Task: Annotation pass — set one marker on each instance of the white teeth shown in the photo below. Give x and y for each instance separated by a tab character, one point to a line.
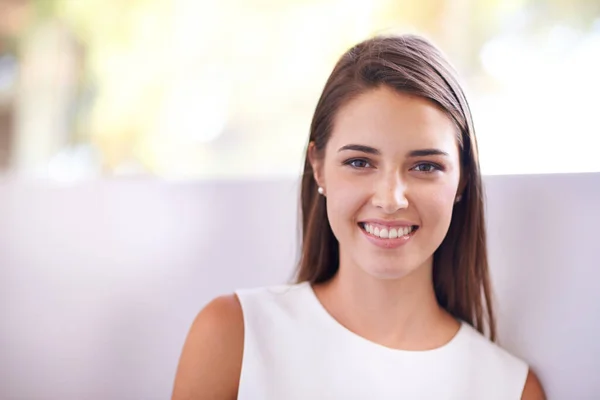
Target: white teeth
385	233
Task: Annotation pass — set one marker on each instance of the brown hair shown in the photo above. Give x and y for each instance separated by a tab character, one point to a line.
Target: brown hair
408	64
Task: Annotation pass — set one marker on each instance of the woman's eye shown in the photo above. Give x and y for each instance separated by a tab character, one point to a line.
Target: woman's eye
358	163
426	167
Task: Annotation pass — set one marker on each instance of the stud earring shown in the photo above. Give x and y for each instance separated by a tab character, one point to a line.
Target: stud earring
321	191
458	198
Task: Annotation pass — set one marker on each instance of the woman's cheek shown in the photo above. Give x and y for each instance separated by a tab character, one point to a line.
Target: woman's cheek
438	202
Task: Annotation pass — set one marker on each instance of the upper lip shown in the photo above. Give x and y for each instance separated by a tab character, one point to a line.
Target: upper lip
390	223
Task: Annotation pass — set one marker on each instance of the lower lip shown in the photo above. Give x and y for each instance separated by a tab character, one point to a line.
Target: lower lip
387	243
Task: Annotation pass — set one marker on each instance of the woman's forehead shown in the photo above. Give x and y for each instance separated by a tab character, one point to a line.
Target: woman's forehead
389	120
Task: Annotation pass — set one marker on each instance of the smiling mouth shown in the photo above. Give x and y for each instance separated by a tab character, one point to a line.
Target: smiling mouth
388	232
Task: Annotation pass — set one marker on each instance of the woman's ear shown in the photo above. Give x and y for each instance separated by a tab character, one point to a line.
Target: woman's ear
316	162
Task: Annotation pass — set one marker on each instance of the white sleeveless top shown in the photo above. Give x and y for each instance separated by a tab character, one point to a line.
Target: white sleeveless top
294	349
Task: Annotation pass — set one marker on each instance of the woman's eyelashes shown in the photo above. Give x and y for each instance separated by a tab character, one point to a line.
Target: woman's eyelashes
428	167
425	167
358	163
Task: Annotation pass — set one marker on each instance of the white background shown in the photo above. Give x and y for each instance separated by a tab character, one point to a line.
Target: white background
99	282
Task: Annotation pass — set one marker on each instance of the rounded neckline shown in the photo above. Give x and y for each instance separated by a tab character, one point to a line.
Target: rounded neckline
335	324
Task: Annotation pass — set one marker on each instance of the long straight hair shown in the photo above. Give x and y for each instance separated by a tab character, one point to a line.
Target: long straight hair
407	64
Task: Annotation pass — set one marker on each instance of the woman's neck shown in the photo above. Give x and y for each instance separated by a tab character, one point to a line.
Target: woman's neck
401	313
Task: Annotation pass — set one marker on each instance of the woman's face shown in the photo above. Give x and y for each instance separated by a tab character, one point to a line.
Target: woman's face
390	173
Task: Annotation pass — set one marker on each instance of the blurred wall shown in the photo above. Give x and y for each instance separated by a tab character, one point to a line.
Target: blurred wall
100	281
226	89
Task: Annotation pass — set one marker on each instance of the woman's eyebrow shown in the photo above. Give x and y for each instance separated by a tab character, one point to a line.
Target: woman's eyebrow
360	147
427	152
372	150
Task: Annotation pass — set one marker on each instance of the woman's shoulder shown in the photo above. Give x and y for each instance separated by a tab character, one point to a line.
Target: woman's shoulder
211	360
490	351
498	362
222	312
510	365
212	356
533	389
221	319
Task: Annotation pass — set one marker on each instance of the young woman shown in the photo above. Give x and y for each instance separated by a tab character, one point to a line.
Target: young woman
393	297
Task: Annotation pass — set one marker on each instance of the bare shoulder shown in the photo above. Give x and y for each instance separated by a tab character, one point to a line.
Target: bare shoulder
211	360
533	388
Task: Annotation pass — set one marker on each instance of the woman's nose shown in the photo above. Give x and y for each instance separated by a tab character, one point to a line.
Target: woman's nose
390	194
